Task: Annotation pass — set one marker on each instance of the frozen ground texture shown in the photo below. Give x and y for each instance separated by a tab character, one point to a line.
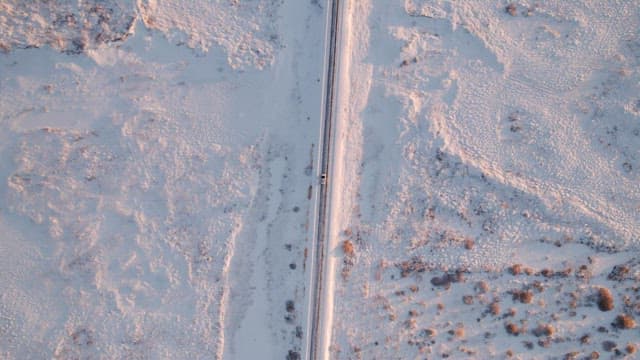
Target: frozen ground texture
156	166
483	135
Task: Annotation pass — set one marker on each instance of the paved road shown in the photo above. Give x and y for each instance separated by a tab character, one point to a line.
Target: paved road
319	246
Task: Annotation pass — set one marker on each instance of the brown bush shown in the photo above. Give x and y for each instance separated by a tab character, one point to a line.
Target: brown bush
511	9
625	321
630	348
513	329
494	308
515	269
347	248
524	296
481	287
467	299
605	299
468	244
544	330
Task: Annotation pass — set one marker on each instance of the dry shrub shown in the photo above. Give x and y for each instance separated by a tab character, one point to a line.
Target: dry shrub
347	248
625	321
511	9
467	299
494	308
618	273
513	329
571	356
468	244
290	306
630	348
605	299
544	330
583	273
415	265
524	296
585	339
410	324
515	269
481	287
608	345
544	342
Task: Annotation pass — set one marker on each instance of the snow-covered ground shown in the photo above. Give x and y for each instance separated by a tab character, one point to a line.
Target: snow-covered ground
156	169
490	172
157	165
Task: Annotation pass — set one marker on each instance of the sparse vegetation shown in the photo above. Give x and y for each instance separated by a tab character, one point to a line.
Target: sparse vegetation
511	9
618	273
412	266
